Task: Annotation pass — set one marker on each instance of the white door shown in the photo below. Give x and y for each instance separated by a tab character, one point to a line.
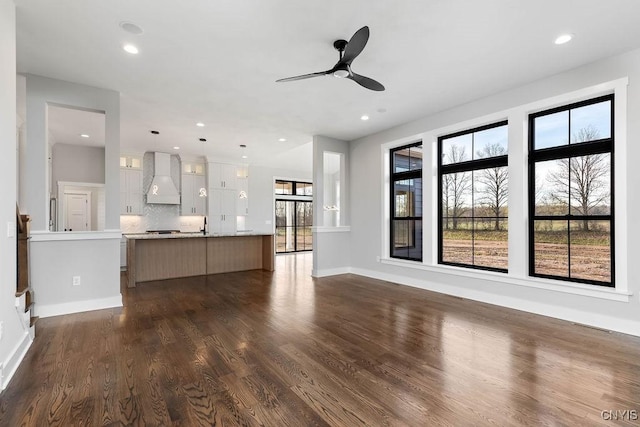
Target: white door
77	212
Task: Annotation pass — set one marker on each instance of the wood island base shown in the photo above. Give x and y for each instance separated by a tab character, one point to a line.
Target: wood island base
169	258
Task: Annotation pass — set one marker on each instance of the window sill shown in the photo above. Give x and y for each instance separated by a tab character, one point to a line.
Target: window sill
328	229
529	282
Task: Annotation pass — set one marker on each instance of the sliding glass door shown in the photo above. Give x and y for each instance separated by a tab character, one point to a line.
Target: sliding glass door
294	219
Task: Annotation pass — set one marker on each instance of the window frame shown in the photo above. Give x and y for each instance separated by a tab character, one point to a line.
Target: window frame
295	227
293	188
401	176
466	166
568	151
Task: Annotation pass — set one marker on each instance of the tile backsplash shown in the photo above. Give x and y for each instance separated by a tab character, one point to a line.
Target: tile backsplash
160	217
155	216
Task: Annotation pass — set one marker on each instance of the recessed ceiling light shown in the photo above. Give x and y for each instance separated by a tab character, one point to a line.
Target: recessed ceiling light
84	135
200	124
244	156
364	117
129	48
131	28
282	139
176	148
563	38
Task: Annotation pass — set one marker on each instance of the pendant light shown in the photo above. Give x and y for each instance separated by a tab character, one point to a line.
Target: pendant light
202	192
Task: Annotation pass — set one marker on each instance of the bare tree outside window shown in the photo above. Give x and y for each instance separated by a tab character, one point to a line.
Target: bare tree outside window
582	181
456	187
494	191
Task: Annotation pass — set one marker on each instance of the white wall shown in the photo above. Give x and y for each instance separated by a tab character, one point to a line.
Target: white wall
331	242
15	339
603	308
57	257
76	163
40	92
261	195
53	267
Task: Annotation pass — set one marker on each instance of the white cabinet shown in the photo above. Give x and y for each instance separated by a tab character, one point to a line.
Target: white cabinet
222	175
130	162
222	210
242	201
194	194
192	168
130	191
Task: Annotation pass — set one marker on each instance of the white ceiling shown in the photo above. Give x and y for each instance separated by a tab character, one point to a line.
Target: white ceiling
217	62
67	124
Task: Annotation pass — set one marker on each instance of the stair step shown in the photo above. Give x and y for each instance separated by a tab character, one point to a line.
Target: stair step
21	292
33	321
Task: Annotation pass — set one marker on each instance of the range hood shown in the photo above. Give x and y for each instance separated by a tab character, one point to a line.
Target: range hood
162	189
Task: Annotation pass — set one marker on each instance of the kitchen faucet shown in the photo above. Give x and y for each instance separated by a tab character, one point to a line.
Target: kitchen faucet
204	226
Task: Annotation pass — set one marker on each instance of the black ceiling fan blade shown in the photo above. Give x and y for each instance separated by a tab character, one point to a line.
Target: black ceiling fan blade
304	76
366	82
355	45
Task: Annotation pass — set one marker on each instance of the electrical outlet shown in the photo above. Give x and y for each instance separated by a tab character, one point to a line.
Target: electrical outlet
76	281
11	229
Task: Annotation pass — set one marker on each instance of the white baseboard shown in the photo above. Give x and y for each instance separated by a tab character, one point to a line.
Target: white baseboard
330	271
14	359
601	321
77	306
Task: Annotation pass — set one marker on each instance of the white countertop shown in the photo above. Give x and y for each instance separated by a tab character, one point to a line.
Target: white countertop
147	236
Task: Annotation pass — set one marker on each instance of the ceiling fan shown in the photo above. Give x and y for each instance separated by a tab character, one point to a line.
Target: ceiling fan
348	51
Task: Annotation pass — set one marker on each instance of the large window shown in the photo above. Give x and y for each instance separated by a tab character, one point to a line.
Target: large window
294	216
294	219
571	192
473	182
406	202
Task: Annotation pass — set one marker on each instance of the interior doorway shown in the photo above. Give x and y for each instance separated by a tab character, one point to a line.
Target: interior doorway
77	211
294	219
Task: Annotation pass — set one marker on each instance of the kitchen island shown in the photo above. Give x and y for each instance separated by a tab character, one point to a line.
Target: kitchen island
169	256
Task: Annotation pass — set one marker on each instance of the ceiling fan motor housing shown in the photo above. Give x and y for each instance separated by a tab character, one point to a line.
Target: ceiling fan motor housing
340	45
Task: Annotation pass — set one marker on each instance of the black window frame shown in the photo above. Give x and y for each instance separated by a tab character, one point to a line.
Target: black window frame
401	176
466	166
599	146
293	188
295	227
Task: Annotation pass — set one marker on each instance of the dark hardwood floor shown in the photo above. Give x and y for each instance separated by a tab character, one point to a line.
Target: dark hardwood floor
283	349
